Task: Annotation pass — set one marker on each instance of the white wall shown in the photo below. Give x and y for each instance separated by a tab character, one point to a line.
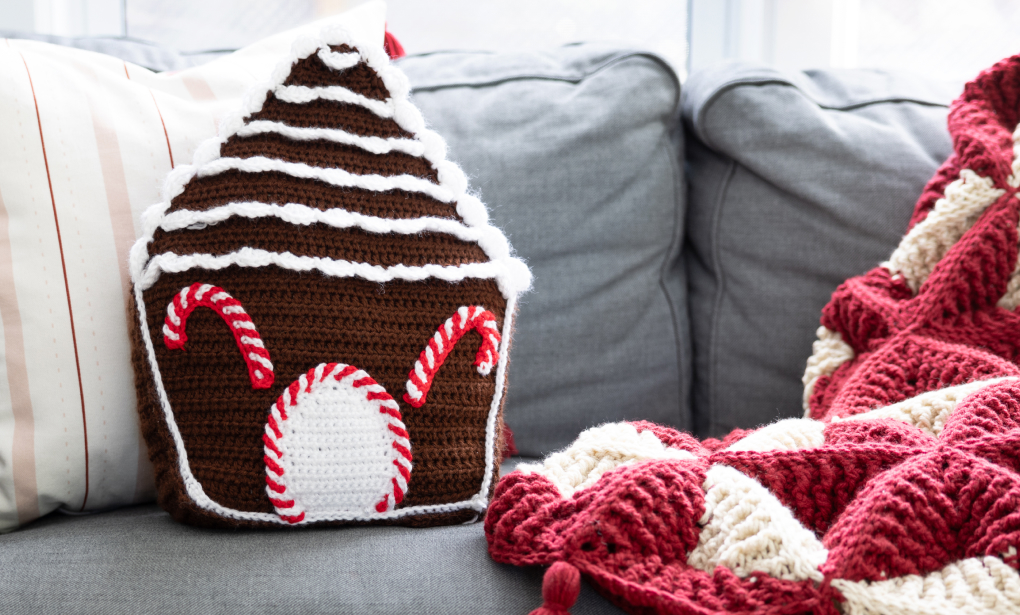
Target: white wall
953	39
788	34
505	25
64	17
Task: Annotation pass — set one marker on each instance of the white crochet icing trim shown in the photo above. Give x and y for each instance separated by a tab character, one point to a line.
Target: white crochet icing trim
502	271
479	502
375	145
339	61
511	274
828	352
973	586
452	181
492	242
746	529
404	113
335	177
301	94
927	411
599	450
929	240
784	435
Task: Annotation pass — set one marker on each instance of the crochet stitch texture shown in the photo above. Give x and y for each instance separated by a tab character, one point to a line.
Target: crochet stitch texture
323	311
899	492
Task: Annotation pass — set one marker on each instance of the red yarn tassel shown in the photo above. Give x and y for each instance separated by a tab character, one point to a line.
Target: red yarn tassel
393	47
509	446
560	589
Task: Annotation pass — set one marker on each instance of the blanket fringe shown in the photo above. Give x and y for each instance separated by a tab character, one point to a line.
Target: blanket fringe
560	589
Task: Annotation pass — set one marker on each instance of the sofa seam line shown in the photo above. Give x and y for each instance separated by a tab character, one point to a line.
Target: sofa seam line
714	96
574	79
719	292
676	249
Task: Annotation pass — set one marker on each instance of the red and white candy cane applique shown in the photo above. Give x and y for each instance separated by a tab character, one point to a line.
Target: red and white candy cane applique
335	447
419	381
256	357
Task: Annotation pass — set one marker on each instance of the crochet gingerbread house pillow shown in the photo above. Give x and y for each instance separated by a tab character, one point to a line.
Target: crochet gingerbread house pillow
323	311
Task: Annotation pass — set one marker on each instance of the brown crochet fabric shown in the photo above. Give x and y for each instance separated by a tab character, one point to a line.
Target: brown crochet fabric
243	304
326	154
271	187
330	114
360	78
320	240
308	318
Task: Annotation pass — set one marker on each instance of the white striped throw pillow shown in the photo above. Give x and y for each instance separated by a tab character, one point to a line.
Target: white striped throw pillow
86	141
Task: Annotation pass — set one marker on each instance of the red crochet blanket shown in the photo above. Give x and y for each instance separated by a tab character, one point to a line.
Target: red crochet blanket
898	492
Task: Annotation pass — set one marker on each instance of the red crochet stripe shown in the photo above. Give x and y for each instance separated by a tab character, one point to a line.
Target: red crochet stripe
952	331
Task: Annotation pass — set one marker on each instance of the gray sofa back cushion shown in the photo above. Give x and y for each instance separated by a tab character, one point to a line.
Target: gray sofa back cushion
575	153
797	182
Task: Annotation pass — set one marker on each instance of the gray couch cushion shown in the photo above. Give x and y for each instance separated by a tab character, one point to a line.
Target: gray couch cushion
572	152
137	560
797	182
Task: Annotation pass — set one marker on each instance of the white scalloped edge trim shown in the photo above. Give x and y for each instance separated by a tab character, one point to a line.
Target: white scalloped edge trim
488	238
828	352
374	145
332	176
301	94
973	586
168	262
339	61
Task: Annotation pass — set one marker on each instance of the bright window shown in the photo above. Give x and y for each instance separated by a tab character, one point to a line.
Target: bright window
952	39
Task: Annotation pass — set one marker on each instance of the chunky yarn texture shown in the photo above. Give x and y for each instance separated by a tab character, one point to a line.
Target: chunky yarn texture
897	493
323	310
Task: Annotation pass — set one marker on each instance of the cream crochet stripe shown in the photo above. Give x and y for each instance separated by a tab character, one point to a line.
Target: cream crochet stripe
927	411
925	245
599	450
786	435
747	529
928	241
973	586
829	351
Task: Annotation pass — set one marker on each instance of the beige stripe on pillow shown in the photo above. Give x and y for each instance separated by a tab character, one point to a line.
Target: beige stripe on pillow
17	487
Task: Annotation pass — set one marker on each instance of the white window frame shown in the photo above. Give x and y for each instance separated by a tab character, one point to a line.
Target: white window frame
788	34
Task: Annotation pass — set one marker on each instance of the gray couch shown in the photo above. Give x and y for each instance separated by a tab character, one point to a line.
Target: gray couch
682	249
